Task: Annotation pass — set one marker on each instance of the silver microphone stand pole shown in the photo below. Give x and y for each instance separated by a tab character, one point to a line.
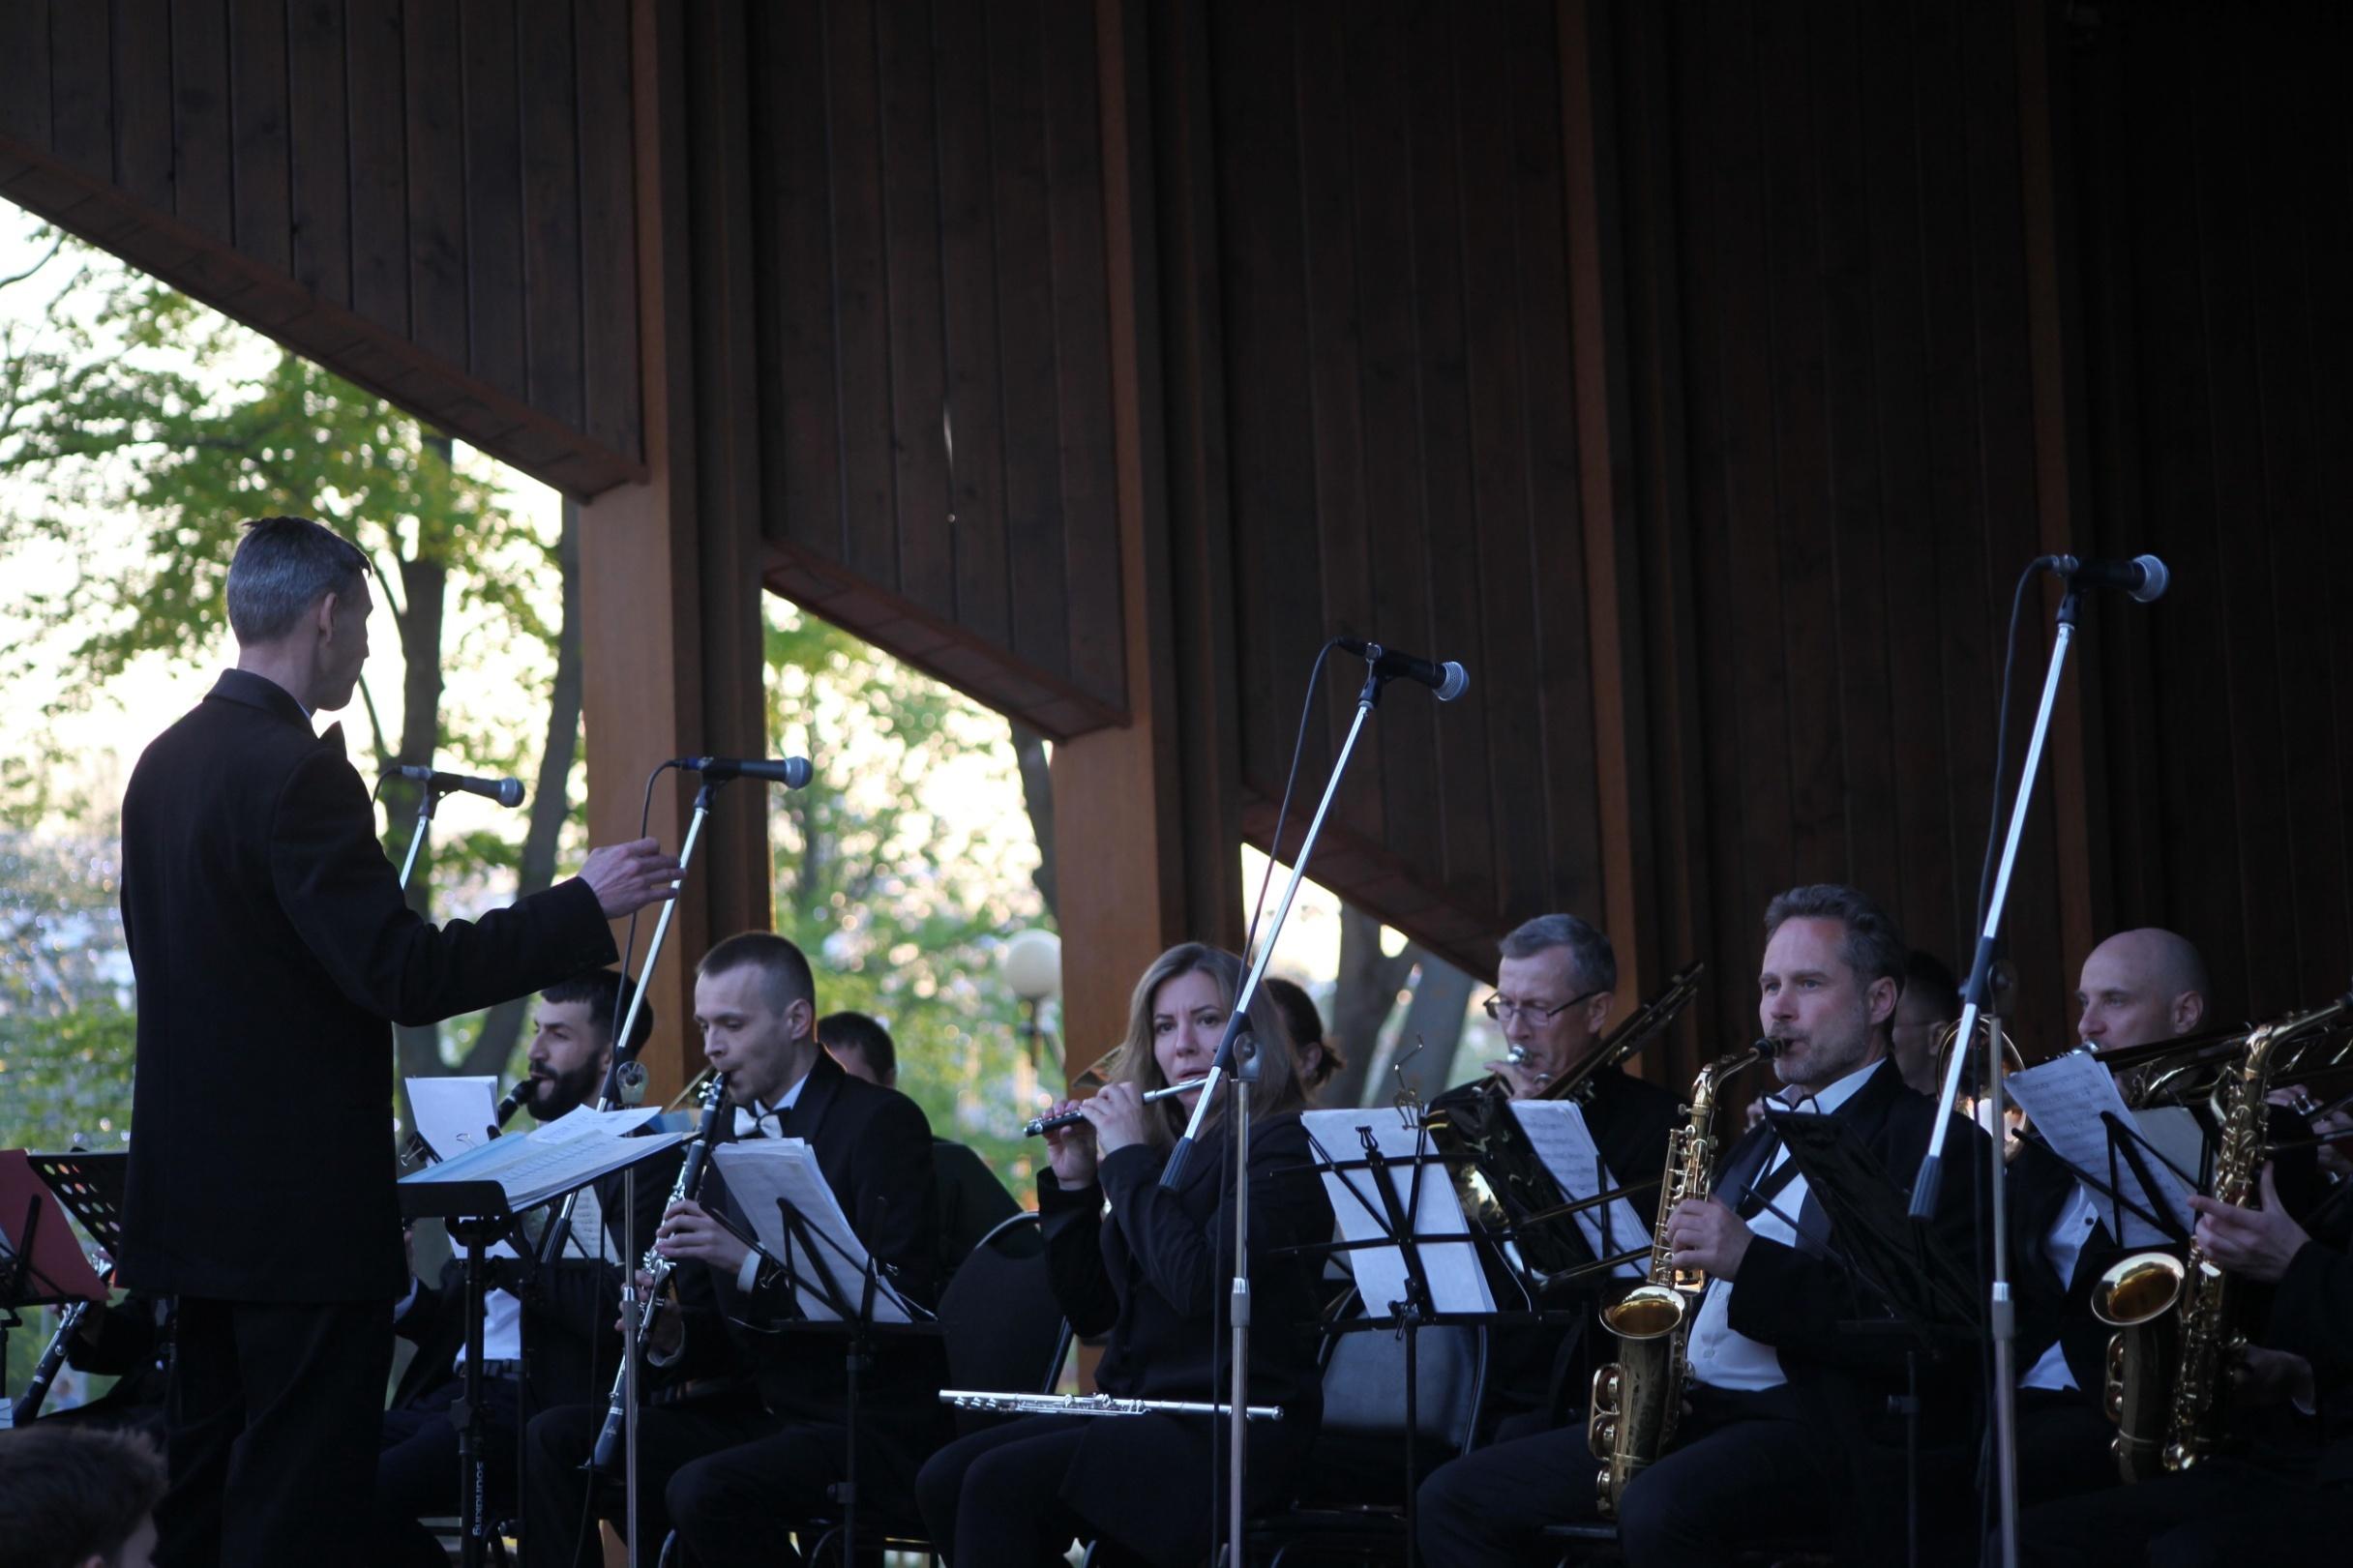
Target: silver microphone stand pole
1223	1067
2001	1314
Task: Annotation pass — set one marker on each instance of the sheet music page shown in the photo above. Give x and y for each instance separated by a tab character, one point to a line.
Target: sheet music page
1457	1282
549	1163
452	1114
1558	1132
765	1169
2068	1099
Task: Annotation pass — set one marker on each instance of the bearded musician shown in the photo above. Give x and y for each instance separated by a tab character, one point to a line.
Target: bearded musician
1789	1404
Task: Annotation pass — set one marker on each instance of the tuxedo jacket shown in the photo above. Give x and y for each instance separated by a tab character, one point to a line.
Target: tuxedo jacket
874	1148
1142	1264
1807	1299
273	953
2311	1316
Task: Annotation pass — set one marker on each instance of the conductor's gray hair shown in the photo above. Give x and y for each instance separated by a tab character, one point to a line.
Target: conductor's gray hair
284	566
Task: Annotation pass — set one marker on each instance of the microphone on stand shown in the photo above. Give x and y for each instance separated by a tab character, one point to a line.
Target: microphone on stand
505	791
2144	577
1448	680
793	772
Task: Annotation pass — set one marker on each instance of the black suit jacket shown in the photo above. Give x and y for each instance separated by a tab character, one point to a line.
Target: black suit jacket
272	952
1805	1301
2311	1316
874	1147
1144	1265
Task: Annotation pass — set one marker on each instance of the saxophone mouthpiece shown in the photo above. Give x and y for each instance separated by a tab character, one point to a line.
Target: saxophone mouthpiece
1769	1048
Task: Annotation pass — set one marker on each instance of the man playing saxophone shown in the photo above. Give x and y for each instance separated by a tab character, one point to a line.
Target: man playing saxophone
742	1433
1788	1403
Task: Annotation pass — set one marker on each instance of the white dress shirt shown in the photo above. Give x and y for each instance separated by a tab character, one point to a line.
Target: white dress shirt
756	1121
2076	1221
1720	1356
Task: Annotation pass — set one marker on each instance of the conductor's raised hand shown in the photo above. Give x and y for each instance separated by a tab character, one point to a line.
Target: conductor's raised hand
629	877
1071	1150
688	1232
1116	1112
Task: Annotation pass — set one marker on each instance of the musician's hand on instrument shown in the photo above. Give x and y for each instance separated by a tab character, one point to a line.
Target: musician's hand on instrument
629	877
1116	1113
688	1232
408	1248
2254	1243
2263	1377
1525	1079
1704	1234
1071	1150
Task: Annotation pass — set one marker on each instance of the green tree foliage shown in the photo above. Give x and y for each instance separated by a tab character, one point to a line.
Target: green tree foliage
138	416
901	898
66	1026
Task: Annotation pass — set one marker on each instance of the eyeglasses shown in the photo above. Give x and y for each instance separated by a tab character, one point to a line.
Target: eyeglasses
1503	1012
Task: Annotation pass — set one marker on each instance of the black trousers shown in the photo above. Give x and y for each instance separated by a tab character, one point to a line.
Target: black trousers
419	1472
994	1497
2223	1512
1744	1471
734	1483
2063	1447
272	1427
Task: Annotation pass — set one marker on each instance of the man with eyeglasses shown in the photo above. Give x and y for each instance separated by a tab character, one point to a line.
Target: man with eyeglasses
1554	988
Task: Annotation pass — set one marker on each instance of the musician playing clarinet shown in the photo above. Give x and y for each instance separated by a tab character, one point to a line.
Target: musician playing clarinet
742	1428
1152	1275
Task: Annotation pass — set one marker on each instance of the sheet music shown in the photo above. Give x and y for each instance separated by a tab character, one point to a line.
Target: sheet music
1457	1282
1557	1130
765	1169
2068	1100
454	1114
550	1161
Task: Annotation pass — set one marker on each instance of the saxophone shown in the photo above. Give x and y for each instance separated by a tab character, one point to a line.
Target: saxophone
2210	1342
1637	1398
604	1457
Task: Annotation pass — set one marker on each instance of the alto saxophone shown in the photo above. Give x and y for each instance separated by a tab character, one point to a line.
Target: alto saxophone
1637	1398
604	1457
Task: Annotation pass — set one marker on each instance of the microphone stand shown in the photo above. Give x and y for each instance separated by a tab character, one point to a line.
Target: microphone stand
552	1244
428	799
2001	1316
1225	1066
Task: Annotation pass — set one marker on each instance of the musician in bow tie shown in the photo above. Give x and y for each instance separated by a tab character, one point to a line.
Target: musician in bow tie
743	1430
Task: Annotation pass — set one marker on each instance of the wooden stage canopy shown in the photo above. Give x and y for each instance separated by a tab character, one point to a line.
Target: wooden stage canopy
1700	374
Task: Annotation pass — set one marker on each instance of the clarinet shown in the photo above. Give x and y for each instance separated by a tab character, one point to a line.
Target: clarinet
602	1459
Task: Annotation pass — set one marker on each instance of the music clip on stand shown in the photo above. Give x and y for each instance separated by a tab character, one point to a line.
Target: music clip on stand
1222	1068
2000	1314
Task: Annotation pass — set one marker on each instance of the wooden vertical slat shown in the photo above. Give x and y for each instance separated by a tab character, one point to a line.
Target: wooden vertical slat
491	159
260	152
24	74
869	478
548	109
801	335
973	388
318	117
376	74
141	73
906	66
434	120
81	99
203	184
608	258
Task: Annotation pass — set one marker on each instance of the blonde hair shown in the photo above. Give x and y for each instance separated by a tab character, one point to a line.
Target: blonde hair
1278	1083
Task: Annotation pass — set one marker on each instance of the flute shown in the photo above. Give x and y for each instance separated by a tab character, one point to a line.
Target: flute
1071	1118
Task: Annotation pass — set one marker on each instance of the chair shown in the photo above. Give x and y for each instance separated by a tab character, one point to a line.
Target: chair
1004	1332
1349	1505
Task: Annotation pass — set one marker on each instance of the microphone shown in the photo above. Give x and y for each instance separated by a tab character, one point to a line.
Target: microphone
505	791
1447	680
2144	577
793	772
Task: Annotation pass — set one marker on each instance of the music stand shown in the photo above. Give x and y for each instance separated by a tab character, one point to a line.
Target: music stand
849	1292
1929	1293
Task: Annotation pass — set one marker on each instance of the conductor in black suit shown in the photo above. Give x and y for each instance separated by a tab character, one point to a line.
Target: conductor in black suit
743	1432
273	953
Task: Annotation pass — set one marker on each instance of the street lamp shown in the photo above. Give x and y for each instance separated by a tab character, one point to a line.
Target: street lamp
1033	961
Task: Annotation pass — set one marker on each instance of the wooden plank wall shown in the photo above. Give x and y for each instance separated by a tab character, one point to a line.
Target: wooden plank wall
930	253
1703	376
434	199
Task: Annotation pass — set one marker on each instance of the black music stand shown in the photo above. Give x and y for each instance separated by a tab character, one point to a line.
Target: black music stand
847	1290
41	1263
1930	1295
1417	1309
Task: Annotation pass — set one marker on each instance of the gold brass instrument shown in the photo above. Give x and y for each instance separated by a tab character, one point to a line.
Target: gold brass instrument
1637	1398
2136	1297
1941	1040
1502	1184
2196	1069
